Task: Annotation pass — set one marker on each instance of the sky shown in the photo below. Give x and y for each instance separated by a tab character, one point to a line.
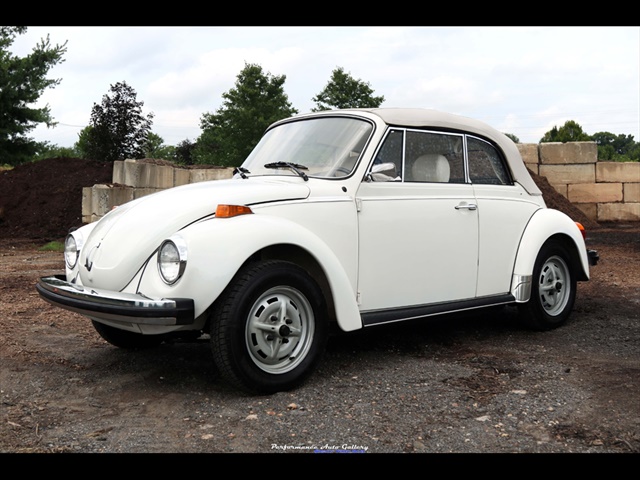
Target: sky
520	80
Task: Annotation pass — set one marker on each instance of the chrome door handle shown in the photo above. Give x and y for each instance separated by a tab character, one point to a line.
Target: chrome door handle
469	206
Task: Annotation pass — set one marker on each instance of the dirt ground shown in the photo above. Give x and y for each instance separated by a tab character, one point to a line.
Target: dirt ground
475	383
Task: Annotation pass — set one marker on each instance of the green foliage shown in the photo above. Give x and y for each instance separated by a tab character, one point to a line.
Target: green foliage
229	135
611	147
184	152
513	137
569	132
155	148
616	148
22	82
52	247
48	150
118	130
344	91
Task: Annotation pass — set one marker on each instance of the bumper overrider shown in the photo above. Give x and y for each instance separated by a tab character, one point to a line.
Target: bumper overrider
128	307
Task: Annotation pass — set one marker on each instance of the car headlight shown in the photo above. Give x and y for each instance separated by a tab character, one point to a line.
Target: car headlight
172	259
72	245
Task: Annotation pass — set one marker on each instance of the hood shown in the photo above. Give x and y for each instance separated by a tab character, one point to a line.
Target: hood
123	240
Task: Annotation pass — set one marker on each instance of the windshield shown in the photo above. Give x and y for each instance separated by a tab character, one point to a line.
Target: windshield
326	147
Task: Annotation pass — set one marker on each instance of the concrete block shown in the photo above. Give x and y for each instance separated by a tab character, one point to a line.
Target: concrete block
567	174
86	201
105	197
631	192
155	176
118	172
181	176
529	153
625	172
561	188
206	174
568	153
618	212
132	173
143	192
595	192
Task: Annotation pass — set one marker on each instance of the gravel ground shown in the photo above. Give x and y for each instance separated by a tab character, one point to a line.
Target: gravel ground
477	383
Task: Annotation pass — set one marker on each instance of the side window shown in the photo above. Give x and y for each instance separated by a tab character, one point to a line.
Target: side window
433	157
387	166
485	164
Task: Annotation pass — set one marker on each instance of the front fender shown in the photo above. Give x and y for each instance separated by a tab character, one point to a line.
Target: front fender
544	224
218	247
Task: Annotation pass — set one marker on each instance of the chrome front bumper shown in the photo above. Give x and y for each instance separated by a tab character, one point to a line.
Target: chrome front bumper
118	306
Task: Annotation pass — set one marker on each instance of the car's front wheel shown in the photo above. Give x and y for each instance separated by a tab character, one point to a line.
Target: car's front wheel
269	328
553	290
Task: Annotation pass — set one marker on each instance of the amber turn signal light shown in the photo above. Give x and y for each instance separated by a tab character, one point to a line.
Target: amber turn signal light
228	211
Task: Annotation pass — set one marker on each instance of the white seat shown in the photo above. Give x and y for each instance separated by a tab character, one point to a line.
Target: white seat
431	168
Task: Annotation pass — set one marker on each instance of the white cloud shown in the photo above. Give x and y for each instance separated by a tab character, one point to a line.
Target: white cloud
522	80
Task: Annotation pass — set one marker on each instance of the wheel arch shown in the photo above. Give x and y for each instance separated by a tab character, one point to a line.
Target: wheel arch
545	225
228	249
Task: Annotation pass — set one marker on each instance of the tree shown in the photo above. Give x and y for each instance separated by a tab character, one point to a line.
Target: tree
22	82
571	131
343	91
229	135
184	152
155	148
118	130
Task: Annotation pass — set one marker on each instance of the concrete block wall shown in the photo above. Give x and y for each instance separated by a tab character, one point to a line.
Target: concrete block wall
604	191
136	178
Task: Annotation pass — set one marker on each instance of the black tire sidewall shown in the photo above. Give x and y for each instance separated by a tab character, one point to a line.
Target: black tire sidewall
230	320
533	313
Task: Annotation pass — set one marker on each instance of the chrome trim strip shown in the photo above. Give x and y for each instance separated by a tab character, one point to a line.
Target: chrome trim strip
522	287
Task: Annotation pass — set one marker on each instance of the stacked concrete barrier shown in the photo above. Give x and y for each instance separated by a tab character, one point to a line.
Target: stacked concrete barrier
604	191
136	178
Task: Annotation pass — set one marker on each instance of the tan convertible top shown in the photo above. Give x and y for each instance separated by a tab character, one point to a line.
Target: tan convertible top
427	118
424	118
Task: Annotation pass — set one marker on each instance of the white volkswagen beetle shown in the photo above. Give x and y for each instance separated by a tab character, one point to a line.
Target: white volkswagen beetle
353	217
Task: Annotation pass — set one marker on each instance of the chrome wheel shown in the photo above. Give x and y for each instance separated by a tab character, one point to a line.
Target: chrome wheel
269	327
280	329
554	287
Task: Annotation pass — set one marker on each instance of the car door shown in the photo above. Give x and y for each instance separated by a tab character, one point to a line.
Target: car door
417	223
504	211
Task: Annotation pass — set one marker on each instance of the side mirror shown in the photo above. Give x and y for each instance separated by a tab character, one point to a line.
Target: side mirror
383	172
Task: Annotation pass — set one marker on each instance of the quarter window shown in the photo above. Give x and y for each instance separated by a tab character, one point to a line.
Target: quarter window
485	163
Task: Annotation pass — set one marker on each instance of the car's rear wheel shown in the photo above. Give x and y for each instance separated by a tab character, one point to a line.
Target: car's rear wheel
553	290
126	339
269	328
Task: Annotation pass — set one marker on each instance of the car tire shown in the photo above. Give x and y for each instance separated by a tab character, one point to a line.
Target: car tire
553	289
269	328
125	339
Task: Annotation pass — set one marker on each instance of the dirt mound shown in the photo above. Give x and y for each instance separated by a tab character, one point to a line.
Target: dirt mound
555	200
42	200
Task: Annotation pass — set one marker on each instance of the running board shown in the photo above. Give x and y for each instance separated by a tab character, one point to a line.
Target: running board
379	317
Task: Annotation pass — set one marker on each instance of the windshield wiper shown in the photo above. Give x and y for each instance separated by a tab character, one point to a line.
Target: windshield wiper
241	171
293	166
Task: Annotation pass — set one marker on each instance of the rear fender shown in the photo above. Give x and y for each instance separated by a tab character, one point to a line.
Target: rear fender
543	225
